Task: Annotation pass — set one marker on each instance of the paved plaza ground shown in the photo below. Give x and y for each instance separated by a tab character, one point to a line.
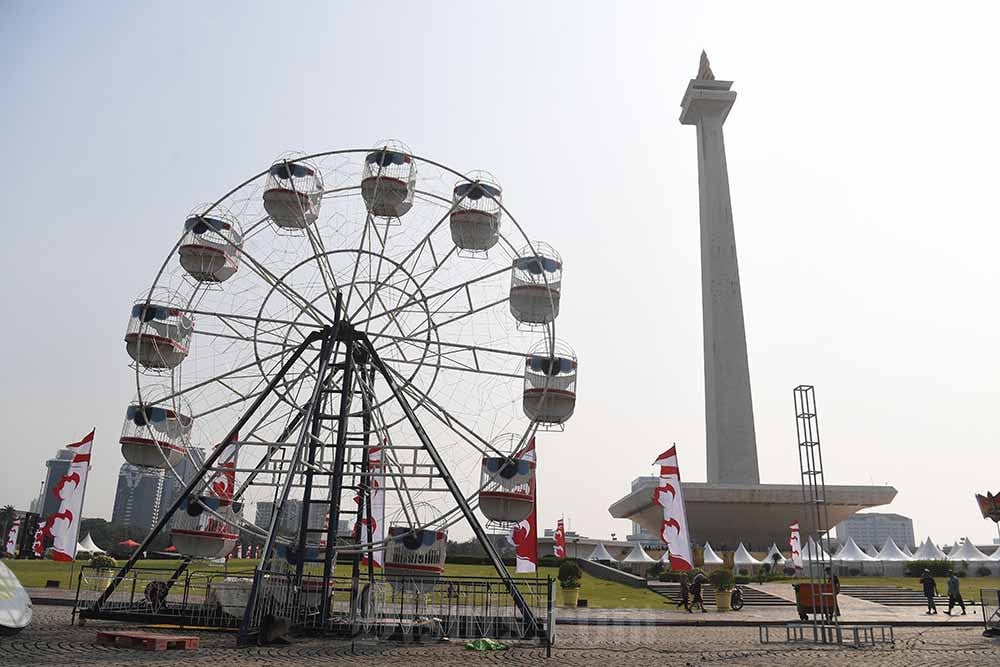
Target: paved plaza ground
52	641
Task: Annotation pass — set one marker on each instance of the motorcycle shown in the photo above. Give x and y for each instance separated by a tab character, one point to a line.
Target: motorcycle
736	601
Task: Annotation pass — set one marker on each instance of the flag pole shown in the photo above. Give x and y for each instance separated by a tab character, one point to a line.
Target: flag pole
83	499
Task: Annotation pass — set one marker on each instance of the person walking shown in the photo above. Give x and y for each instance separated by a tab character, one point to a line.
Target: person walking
954	593
685	593
696	585
930	590
835	580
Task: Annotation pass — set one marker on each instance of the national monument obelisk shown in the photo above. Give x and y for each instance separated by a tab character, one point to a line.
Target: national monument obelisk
730	438
732	506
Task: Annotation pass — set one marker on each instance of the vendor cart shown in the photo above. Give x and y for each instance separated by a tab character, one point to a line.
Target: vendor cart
816	599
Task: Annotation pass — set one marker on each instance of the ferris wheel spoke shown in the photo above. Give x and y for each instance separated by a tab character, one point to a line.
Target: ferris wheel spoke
399	306
418	248
323	263
450	292
457	426
459	317
286	290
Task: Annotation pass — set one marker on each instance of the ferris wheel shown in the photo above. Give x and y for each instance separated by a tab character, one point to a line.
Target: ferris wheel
341	323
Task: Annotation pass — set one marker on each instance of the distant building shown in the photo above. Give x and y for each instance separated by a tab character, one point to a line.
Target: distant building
138	498
56	467
874	528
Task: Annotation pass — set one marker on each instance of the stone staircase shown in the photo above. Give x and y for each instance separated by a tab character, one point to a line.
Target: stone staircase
751	596
894	596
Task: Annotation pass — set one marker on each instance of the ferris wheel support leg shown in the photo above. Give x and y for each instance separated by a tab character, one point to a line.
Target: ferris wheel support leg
246	627
337	480
527	615
206	467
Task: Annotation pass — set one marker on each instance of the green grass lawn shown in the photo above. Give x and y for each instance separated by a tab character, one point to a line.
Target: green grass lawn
970	585
598	593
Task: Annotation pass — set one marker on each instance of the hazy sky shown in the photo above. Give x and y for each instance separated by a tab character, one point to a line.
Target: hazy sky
861	151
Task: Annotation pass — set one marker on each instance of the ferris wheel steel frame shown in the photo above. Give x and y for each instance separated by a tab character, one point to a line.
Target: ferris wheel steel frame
361	361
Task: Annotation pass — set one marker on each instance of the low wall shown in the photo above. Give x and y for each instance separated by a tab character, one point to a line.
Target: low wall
595	569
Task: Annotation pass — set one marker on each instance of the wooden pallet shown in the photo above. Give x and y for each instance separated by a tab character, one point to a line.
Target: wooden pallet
147	641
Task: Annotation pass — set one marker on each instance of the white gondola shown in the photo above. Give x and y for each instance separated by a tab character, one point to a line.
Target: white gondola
475	213
204	527
293	192
507	489
158	334
550	383
536	284
199	533
414	557
389	180
155	435
211	246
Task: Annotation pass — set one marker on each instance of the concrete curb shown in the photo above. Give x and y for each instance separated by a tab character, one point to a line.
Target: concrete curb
53	602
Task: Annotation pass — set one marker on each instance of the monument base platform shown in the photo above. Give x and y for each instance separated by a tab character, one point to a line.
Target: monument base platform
756	514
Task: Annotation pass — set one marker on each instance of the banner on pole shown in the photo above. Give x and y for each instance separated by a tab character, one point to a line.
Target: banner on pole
989	505
64	525
10	546
374	523
559	540
670	496
795	544
524	536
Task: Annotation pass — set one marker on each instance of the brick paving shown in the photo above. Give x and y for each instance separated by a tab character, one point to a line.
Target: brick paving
52	641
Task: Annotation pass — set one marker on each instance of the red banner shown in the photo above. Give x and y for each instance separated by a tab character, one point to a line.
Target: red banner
559	541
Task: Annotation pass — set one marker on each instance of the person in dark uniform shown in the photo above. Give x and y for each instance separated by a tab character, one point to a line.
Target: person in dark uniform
930	590
696	584
685	592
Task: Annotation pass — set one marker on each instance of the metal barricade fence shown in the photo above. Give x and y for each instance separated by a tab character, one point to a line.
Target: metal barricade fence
384	608
989	598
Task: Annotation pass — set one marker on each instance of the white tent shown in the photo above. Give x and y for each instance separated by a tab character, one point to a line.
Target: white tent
852	553
638	555
871	551
967	552
743	557
769	558
996	554
929	551
711	558
599	553
815	553
87	544
906	550
891	552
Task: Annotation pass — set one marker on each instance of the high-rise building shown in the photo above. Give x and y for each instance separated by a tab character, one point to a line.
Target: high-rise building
138	498
874	528
291	516
55	468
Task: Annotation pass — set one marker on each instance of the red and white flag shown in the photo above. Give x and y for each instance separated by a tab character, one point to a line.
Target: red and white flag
223	484
10	546
670	496
795	543
524	536
375	523
559	540
37	545
64	525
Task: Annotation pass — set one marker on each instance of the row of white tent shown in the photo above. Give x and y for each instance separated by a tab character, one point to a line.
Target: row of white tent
849	553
